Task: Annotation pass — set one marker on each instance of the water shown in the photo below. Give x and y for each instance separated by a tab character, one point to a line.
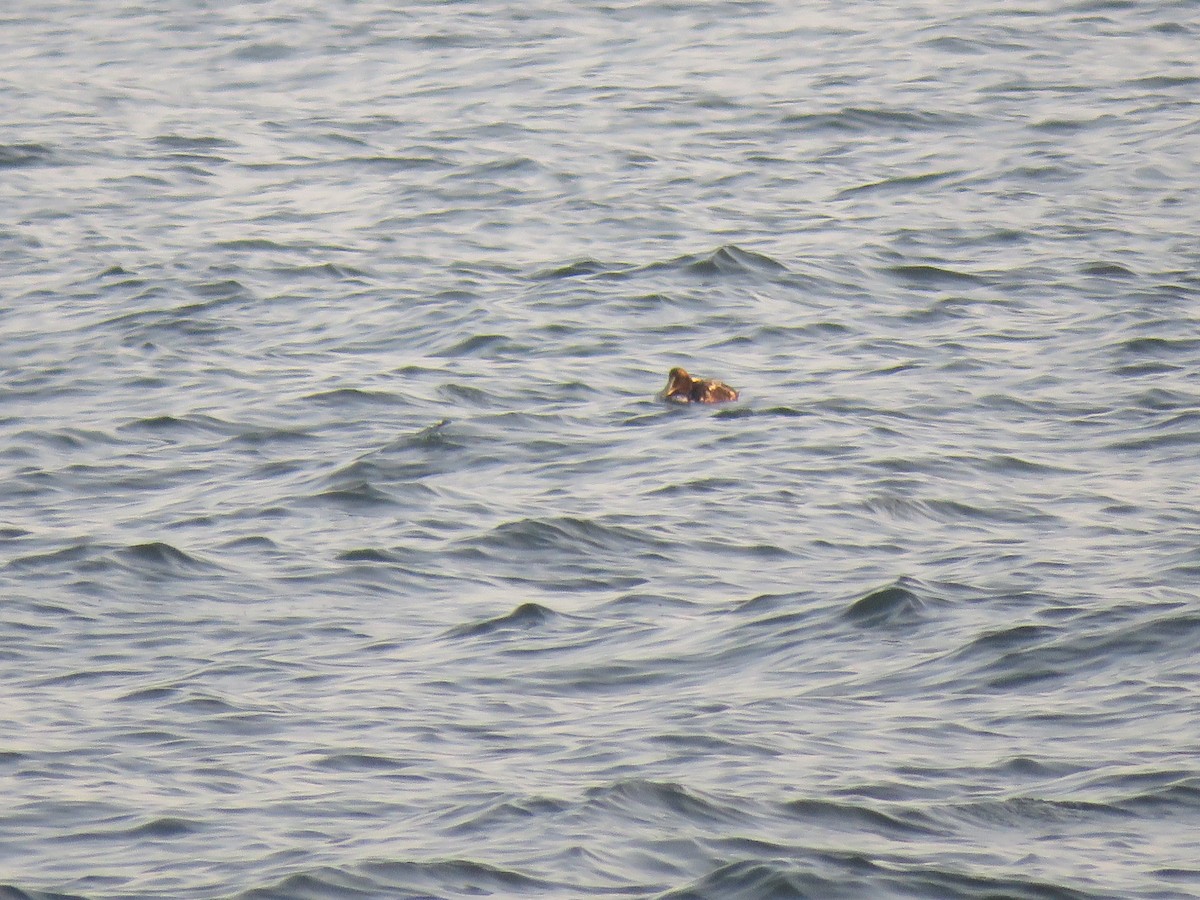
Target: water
346	552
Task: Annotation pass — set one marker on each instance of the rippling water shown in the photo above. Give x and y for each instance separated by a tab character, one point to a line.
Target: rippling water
345	550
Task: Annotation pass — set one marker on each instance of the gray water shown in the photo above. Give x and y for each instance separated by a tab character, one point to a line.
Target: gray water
345	550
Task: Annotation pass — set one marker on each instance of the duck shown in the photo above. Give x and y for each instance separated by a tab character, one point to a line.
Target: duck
685	388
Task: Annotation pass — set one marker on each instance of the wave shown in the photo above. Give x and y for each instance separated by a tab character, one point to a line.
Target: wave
344	397
372	763
893	605
581	268
727	260
900	184
904	824
754	879
9	891
877	119
850	875
193	143
153	560
1014	657
162	828
926	275
568	534
433	880
161	559
524	617
21	156
176	427
395	471
638	798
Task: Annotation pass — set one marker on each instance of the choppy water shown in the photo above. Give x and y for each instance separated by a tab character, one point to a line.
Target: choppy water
346	552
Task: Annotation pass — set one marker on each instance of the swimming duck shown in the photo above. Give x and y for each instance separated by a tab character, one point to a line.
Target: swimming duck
685	388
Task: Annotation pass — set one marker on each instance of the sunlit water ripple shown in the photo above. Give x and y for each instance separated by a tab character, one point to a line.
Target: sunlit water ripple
346	551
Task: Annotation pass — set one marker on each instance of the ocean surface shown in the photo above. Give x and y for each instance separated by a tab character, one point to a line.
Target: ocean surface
347	552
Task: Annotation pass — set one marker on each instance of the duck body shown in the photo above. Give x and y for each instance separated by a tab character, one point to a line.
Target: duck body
685	388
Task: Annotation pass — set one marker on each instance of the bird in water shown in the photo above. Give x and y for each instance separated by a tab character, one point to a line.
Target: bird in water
685	388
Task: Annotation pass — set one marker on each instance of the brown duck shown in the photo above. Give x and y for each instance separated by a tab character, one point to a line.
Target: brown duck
685	388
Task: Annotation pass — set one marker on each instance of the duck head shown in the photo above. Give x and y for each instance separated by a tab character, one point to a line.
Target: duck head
679	384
